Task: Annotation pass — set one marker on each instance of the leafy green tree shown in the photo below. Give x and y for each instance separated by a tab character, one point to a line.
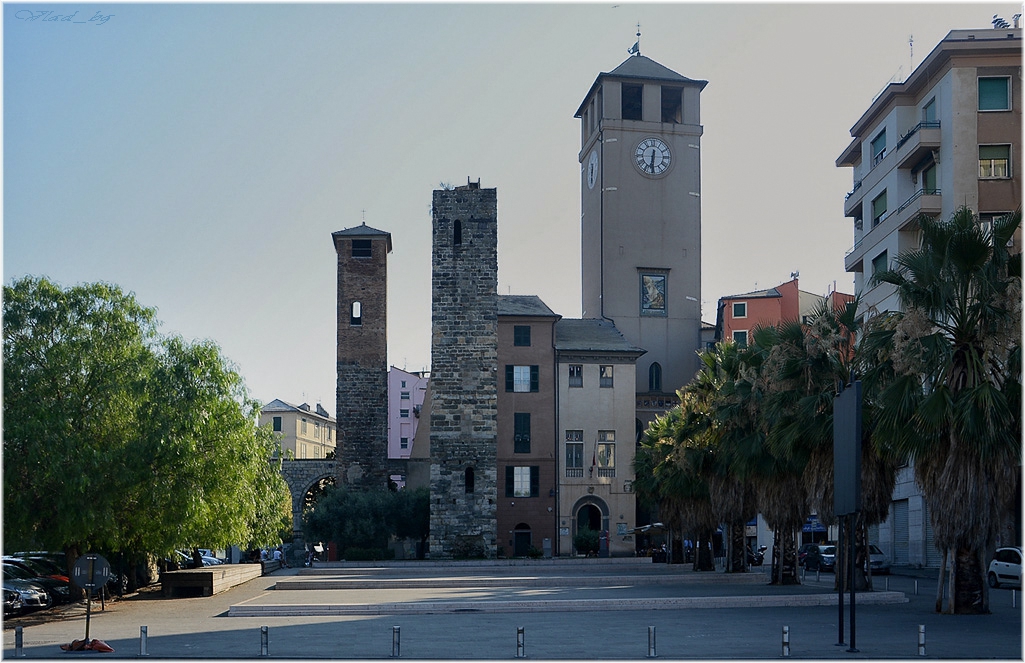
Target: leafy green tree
948	370
352	519
411	514
116	439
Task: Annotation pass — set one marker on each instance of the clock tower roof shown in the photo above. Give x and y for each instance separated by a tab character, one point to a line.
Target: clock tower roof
640	67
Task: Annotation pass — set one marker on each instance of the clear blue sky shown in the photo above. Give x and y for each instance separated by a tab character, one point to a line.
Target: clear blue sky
202	155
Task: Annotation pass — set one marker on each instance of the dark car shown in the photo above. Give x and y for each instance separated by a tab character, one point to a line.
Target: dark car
803	551
821	557
41	567
59	590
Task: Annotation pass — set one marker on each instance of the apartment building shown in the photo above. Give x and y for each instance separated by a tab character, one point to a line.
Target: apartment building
949	135
303	432
738	315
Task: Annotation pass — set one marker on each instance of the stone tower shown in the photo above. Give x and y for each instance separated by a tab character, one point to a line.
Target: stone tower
464	370
361	397
640	157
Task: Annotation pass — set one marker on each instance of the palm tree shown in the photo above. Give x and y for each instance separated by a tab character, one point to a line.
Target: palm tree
950	378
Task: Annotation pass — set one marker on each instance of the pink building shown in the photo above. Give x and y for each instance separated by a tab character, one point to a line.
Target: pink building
739	315
405	398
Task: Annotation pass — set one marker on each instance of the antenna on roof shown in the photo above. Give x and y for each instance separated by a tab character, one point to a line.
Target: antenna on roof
364	217
911	47
636	48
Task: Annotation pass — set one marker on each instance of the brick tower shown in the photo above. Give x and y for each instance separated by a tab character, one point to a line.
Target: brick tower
464	365
361	397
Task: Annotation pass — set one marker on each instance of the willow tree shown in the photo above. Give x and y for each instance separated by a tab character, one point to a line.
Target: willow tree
952	402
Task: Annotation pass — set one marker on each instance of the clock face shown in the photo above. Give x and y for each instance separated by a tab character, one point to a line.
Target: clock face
652	156
592	169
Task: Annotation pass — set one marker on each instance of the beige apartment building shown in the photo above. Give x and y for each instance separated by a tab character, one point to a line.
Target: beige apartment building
303	432
949	135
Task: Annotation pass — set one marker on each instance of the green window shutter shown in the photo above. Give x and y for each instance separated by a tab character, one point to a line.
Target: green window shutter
534	378
521	433
994	151
993	94
508	377
535	480
509	480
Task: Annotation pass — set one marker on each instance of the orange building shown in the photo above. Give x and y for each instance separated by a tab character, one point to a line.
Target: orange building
738	315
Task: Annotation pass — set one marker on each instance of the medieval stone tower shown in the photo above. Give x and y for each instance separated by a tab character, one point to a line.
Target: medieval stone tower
361	397
464	370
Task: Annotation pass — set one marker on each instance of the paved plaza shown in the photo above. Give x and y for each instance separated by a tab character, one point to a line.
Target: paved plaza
590	609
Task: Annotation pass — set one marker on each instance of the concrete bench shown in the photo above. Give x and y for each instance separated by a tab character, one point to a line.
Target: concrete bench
208	580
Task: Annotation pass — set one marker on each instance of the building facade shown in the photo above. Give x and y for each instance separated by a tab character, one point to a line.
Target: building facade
596	373
301	431
949	135
738	315
464	373
406	393
640	183
527	481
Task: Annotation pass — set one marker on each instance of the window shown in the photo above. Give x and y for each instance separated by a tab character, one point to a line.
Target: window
879	147
521	378
605	377
468	481
302	428
575	453
606	453
361	248
457	233
994	161
277	424
521	432
655	377
356	315
880	263
929	111
879	209
929	180
739	309
403	443
995	93
672	105
403	384
521	335
522	481
740	337
632	101
316	430
576	375
404	395
404	413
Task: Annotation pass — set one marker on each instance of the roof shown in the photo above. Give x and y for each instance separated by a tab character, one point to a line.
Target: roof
640	67
591	335
525	305
278	405
363	231
771	292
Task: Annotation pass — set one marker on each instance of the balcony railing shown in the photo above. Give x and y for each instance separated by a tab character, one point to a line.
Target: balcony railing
607	472
574	472
857	185
918	194
934	124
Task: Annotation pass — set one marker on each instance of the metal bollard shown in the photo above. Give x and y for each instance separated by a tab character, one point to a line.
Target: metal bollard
786	641
1014	598
887	583
519	643
264	641
651	642
143	635
921	639
395	641
19	642
916	588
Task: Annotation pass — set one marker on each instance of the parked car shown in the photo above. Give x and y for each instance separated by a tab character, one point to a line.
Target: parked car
821	557
1005	569
33	596
12	602
40	566
59	590
880	563
803	551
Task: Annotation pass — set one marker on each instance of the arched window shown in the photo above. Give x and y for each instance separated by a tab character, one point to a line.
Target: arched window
356	314
655	377
468	480
457	233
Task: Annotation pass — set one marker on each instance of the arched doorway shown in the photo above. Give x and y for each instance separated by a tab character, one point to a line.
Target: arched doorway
589	517
521	540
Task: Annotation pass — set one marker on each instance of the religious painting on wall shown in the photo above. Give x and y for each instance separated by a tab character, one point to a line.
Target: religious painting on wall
653	294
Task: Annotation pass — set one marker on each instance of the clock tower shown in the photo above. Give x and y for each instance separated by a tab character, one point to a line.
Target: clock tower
640	188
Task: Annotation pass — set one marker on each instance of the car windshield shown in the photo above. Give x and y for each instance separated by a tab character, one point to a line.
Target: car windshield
828	550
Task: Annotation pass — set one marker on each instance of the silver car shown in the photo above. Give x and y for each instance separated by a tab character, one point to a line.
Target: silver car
880	562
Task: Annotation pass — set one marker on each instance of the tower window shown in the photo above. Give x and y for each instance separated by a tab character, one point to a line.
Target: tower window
655	377
361	248
468	481
632	101
457	233
356	314
672	105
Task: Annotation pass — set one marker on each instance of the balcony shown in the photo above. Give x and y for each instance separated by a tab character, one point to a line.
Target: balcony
923	201
914	146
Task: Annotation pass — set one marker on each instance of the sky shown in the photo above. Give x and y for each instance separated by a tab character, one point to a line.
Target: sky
201	155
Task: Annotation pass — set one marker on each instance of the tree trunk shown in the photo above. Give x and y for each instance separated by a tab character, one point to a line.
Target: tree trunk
939	582
737	561
968	583
71	554
950	583
703	559
784	557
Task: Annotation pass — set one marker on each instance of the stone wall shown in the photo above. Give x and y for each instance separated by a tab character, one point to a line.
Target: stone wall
464	369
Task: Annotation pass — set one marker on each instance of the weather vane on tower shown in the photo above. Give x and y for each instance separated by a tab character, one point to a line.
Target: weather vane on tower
636	48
